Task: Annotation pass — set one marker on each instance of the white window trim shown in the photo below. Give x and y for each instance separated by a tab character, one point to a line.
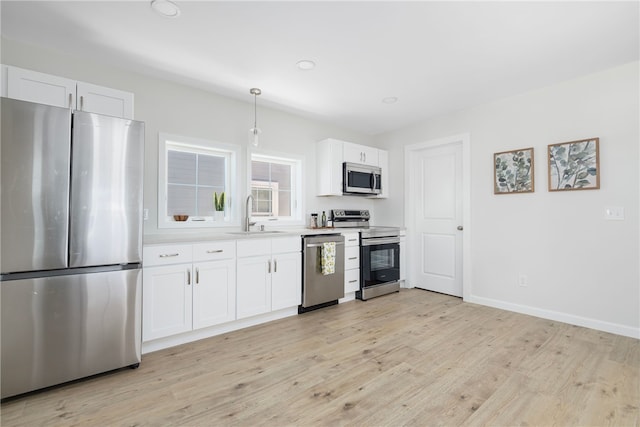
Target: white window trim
196	145
298	183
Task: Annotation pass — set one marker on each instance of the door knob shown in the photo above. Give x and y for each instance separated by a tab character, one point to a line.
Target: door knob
460	228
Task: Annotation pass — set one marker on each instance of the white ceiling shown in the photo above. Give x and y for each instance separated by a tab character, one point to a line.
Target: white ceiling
435	57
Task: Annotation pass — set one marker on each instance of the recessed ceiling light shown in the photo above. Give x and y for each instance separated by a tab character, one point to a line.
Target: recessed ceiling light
306	65
166	8
390	100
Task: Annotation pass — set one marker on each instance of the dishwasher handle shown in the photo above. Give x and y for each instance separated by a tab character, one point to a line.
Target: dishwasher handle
319	245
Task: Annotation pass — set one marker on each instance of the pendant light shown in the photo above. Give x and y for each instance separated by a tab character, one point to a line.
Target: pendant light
255	131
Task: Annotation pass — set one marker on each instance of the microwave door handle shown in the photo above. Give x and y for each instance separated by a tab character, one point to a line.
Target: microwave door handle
372	181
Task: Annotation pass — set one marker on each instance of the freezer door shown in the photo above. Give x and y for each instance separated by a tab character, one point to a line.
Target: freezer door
35	152
57	329
106	190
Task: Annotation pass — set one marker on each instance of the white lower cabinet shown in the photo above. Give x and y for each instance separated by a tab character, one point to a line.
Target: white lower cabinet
197	290
254	286
214	293
351	262
269	275
180	296
286	280
166	302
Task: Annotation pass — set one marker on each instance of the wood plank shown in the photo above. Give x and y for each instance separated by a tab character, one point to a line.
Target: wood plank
411	358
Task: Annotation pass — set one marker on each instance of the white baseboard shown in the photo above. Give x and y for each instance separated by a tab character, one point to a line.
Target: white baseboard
614	328
174	340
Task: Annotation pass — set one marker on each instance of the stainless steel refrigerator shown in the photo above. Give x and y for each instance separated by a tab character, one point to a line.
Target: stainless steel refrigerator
70	244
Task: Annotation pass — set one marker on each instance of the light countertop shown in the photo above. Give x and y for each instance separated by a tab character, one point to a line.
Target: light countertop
188	237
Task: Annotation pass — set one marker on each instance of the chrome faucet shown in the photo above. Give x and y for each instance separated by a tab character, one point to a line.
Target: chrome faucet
247	217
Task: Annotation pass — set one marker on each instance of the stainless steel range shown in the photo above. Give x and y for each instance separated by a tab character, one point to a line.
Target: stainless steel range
379	253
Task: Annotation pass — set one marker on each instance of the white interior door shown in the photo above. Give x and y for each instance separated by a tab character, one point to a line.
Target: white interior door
435	218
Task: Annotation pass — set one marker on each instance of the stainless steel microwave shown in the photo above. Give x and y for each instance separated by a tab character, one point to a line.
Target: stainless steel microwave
361	179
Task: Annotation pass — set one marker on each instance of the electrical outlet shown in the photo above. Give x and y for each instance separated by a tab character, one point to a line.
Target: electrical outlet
522	280
145	214
615	213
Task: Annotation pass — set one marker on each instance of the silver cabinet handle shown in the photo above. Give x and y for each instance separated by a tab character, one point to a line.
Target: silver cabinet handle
275	265
352	240
217	251
70	100
188	276
197	275
365	157
355	257
352	281
81	103
269	266
168	255
460	228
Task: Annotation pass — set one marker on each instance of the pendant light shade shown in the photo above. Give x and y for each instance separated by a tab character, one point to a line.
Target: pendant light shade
254	132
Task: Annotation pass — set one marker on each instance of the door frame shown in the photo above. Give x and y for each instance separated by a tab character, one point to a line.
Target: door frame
409	151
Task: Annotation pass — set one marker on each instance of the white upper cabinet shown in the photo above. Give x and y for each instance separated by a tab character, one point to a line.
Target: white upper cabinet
383	163
104	100
332	153
355	153
33	86
329	159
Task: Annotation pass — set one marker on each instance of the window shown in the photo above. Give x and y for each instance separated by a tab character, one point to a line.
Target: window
276	187
190	172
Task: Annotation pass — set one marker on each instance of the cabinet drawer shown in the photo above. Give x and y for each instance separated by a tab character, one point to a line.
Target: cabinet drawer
286	244
351	280
213	251
253	247
166	254
351	257
351	239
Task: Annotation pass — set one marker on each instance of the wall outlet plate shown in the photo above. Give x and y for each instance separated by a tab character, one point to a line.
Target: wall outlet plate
614	213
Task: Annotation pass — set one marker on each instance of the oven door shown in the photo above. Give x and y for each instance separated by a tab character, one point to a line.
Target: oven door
379	261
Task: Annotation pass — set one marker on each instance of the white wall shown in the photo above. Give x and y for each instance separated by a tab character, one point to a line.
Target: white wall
581	268
183	110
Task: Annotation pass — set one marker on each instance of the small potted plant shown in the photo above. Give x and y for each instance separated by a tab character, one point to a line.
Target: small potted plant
218	205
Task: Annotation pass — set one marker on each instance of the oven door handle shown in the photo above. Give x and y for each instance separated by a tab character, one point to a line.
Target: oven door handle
379	241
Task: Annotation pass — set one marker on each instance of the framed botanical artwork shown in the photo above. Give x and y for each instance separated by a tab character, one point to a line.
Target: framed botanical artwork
513	171
574	165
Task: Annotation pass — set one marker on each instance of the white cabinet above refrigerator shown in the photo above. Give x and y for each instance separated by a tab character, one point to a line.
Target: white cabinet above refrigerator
33	86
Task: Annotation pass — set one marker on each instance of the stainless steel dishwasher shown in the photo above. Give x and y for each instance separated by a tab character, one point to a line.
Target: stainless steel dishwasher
321	289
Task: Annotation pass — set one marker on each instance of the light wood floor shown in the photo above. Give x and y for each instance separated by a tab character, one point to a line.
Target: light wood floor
413	358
